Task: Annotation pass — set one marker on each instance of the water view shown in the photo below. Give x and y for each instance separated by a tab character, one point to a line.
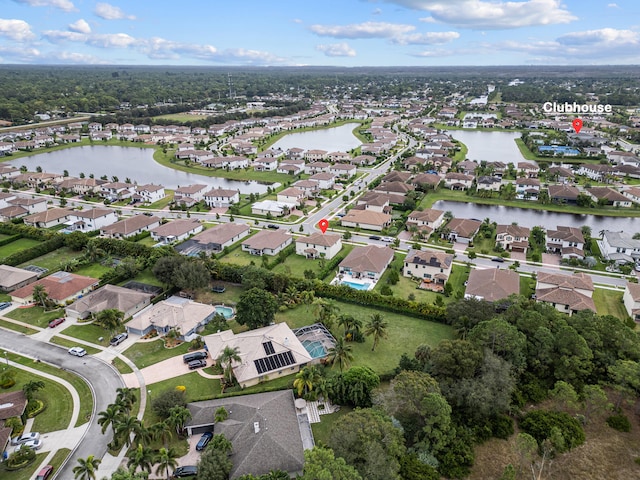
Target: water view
135	163
490	146
531	218
337	139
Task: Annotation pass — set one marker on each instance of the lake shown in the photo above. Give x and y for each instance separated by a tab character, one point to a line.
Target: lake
531	218
337	139
490	146
135	163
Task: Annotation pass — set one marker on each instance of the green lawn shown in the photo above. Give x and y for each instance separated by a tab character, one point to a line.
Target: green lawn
88	332
70	343
230	296
35	315
17	246
146	276
58	458
53	260
144	354
527	287
295	265
321	430
25	473
609	302
57	398
239	257
86	398
93	270
5	297
17	328
405	334
121	366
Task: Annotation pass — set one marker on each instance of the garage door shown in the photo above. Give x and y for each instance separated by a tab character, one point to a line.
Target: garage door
200	430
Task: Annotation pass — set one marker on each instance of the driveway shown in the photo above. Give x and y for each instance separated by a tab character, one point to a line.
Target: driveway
160	371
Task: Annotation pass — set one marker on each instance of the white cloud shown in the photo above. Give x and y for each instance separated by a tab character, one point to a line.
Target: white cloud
428	20
377	11
429	38
81	26
76	58
111	12
56	36
65	5
111	40
17	30
362	30
18	54
494	15
337	50
613	5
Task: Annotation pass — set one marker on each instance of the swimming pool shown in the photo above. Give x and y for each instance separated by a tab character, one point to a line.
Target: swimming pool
559	149
315	348
226	312
356	286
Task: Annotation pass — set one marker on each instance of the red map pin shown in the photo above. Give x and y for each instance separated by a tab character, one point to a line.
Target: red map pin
577	125
323	224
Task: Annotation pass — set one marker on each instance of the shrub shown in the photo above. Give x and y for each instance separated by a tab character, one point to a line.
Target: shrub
539	424
619	422
167	400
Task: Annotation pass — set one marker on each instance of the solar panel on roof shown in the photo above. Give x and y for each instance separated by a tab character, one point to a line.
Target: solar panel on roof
268	348
274	362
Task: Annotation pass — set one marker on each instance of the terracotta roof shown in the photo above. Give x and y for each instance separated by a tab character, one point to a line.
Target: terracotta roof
568	234
563	191
107	297
427	215
368	259
48	215
59	286
464	227
12	404
190	189
431	258
563	296
608	194
220	192
92	213
493	284
515	230
577	280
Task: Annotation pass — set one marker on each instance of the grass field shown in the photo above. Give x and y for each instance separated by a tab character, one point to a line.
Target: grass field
321	430
404	334
121	366
93	270
295	265
53	260
17	328
17	246
144	354
25	473
609	302
527	287
88	332
63	342
35	316
146	276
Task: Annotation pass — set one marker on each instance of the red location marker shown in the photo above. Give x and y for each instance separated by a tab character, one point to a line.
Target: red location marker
323	224
577	125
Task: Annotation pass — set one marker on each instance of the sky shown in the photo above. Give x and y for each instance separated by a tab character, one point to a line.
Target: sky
348	33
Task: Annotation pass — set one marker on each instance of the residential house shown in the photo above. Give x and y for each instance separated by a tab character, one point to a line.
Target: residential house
424	181
338	156
151	193
512	238
563	194
488	183
108	297
214	240
291	195
619	247
430	266
462	229
492	284
310	187
267	242
195	192
271	207
315	155
115	191
13	278
61	287
527	188
567	241
14	404
458	181
609	196
368	262
325	180
631	300
397	188
366	219
595	172
343	170
30	205
265	164
317	167
528	169
374	201
186	317
363	160
566	293
426	220
396	176
221	197
176	230
49	218
632	193
468	167
130	226
319	245
91	219
561	174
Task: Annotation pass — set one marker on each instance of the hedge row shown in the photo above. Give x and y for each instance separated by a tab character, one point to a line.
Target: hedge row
34	252
8	240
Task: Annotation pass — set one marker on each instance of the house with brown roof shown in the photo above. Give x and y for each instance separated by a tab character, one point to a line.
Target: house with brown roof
215	239
609	196
462	229
31	205
567	241
397	188
130	226
319	245
512	238
343	170
13	278
631	300
426	220
176	230
267	242
12	404
566	293
368	262
424	181
291	195
430	266
528	169
325	180
396	176
108	297
492	284
59	286
458	181
316	167
366	219
196	192
49	218
563	194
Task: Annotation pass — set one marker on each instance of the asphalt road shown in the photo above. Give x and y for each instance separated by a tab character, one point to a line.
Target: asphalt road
102	378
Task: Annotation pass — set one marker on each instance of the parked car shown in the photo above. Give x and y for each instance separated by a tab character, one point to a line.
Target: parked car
35	444
498	259
190	357
45	472
77	351
56	322
4	305
185	471
118	339
204	441
272	226
388	239
197	364
218	289
24	438
375	237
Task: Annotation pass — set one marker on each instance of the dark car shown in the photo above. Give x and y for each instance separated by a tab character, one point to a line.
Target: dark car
204	441
56	322
272	226
498	259
185	471
118	339
45	472
374	237
197	364
218	289
190	357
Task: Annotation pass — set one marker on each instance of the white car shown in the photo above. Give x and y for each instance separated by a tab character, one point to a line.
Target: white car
32	444
388	239
77	351
24	438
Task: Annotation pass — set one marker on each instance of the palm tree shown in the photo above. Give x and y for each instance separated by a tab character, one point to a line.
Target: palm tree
322	388
220	415
141	457
126	397
307	297
166	460
325	311
32	387
340	354
92	252
161	431
110	416
40	295
124	428
141	434
306	379
86	468
226	359
376	327
111	320
178	416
